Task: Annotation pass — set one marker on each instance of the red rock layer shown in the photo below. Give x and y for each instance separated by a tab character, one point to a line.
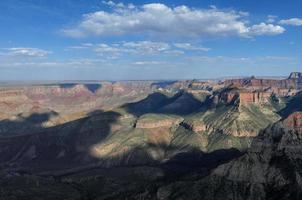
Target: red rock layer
254	97
265	83
294	121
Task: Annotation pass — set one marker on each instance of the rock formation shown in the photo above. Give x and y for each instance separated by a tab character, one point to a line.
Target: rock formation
295	75
254	97
271	169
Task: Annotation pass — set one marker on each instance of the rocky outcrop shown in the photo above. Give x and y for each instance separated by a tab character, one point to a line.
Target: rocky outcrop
293	82
245	96
254	97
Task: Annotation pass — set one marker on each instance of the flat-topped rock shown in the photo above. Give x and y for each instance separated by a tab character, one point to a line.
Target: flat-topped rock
295	75
149	121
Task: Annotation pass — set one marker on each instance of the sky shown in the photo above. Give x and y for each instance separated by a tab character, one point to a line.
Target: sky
144	40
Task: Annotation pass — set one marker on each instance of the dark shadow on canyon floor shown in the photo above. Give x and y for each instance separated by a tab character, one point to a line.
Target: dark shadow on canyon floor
182	103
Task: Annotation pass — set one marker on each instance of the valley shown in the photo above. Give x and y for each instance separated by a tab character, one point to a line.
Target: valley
152	139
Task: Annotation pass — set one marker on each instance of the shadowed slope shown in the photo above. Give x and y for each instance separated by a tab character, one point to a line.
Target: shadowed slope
23	124
292	105
62	146
271	169
182	103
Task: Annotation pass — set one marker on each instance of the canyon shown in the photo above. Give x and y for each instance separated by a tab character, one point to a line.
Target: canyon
152	139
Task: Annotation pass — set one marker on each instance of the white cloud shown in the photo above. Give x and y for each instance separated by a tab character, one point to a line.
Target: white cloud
109	3
82	46
188	46
265	29
110	50
139	48
118	5
147	47
120	48
157	19
292	21
26	52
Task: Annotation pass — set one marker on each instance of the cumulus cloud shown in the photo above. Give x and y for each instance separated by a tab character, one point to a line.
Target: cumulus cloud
292	22
28	52
157	19
265	29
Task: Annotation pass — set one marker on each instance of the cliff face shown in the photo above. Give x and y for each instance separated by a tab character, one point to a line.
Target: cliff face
244	96
294	122
271	169
259	91
254	97
293	82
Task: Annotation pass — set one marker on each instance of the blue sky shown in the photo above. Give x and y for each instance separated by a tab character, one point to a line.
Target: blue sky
130	40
